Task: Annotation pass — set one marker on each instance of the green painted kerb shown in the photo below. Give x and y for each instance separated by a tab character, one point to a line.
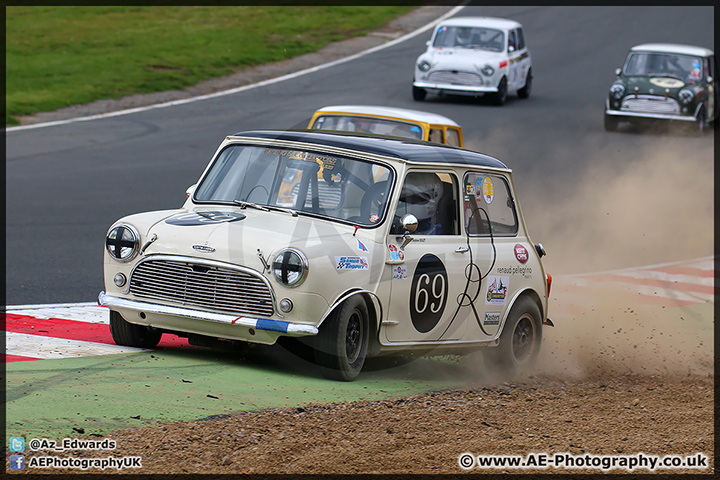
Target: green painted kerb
56	399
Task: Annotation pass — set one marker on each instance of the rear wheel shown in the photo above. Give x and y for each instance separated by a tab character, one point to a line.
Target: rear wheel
131	335
342	342
419	94
525	91
520	339
501	95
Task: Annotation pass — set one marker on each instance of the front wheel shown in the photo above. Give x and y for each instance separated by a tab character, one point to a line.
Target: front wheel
700	123
419	94
611	123
520	339
131	335
343	339
501	95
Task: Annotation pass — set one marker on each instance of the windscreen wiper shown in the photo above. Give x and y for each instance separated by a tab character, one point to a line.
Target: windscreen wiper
245	204
265	208
282	209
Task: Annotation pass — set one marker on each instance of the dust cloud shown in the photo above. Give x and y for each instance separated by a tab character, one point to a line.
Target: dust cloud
605	331
648	203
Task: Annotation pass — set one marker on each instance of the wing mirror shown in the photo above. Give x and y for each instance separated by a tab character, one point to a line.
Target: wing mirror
511	49
409	224
617	72
190	190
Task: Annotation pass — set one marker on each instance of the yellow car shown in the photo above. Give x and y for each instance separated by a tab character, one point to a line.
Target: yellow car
398	122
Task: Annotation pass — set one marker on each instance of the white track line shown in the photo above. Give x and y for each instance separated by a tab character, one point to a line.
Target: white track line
668	277
49	348
244	87
81	312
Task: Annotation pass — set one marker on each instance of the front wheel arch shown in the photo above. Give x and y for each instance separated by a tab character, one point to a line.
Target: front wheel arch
375	313
342	343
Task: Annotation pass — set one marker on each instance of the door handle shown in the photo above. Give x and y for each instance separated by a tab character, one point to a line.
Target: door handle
461	250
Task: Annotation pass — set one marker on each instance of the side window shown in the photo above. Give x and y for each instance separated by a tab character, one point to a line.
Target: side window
488	197
511	40
432	198
436	135
453	137
711	67
520	39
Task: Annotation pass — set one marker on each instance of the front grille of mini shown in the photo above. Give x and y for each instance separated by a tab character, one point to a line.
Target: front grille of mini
647	104
199	285
454	77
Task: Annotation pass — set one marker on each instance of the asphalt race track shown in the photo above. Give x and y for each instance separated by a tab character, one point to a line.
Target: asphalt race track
67	184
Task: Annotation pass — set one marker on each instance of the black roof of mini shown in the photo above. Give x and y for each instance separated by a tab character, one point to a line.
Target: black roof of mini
401	148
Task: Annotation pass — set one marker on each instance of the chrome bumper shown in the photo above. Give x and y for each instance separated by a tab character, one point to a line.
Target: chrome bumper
448	87
656	116
287	328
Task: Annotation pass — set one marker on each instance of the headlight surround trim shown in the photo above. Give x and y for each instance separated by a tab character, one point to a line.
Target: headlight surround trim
487	70
290	267
617	90
686	96
129	239
423	65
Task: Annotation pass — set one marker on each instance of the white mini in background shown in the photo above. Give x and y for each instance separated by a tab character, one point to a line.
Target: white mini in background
475	56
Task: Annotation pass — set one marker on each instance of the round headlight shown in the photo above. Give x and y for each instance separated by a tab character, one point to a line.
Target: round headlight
123	242
617	90
424	66
686	96
290	267
487	70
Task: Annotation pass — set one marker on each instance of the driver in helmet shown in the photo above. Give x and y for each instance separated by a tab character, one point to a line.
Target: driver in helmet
420	196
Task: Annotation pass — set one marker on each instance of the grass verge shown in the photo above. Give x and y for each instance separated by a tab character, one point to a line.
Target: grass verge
58	56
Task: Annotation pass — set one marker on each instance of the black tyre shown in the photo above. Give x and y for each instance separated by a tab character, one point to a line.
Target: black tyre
525	91
342	343
611	123
520	339
500	96
419	94
700	123
131	335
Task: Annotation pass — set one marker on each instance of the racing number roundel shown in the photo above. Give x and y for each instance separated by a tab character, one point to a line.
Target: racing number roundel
428	293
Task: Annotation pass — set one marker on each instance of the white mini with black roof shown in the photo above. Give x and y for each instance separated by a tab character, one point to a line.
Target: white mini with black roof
355	246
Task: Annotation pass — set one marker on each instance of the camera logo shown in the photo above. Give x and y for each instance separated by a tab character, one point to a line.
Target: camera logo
17	444
17	462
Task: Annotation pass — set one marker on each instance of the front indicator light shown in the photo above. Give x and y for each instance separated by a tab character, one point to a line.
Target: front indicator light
119	280
286	305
